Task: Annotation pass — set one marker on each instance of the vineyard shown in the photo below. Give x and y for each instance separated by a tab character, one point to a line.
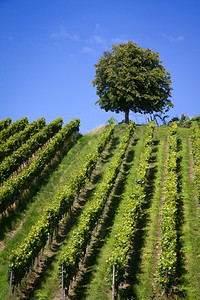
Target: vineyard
112	214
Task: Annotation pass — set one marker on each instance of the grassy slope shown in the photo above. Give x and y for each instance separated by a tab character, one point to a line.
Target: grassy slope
191	222
143	276
143	273
49	284
34	209
144	286
98	287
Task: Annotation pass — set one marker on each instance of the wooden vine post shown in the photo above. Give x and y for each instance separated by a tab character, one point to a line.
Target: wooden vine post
113	283
10	286
62	283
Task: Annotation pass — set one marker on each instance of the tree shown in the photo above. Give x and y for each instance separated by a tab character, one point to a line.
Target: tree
129	78
184	118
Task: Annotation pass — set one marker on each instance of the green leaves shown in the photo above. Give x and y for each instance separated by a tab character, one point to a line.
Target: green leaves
131	78
23	256
12	128
13	188
74	249
195	137
106	136
12	162
168	257
16	140
5	123
127	227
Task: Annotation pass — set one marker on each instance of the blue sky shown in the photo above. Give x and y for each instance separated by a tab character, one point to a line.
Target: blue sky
48	49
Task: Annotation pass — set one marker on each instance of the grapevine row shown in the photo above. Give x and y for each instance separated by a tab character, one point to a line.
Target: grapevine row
168	257
76	245
24	255
13	128
12	162
5	123
19	138
195	136
127	227
13	188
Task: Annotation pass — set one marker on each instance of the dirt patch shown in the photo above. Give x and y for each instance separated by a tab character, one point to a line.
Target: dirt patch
11	234
2	246
61	177
15	231
98	129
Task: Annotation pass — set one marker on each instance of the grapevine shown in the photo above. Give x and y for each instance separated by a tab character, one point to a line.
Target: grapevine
75	247
168	257
5	123
22	257
12	162
195	137
13	188
19	138
127	227
13	128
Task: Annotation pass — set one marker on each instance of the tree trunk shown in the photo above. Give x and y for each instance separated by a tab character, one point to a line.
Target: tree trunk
127	116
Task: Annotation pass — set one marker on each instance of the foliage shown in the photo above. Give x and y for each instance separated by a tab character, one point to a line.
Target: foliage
16	140
127	227
24	255
184	118
75	247
14	188
183	121
129	78
5	123
189	122
106	136
195	137
144	260
168	257
12	162
13	128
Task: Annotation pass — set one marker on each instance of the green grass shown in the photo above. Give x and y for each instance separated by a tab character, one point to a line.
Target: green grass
50	282
98	287
36	206
191	224
143	289
141	272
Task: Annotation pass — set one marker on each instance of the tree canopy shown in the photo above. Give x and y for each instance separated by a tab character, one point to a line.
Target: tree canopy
130	78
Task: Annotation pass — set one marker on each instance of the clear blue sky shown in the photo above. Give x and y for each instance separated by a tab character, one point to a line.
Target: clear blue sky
48	49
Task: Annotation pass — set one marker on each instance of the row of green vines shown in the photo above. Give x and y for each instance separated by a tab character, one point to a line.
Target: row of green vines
14	188
168	256
195	137
16	140
128	225
12	128
76	246
23	257
20	155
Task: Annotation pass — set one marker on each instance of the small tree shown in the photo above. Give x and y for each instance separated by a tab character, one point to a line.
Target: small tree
129	78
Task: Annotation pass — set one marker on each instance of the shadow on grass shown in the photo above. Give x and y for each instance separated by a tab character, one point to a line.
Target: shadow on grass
135	256
8	221
104	232
134	265
107	154
180	269
37	277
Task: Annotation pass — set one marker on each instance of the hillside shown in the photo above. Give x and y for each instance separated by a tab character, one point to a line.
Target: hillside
119	195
